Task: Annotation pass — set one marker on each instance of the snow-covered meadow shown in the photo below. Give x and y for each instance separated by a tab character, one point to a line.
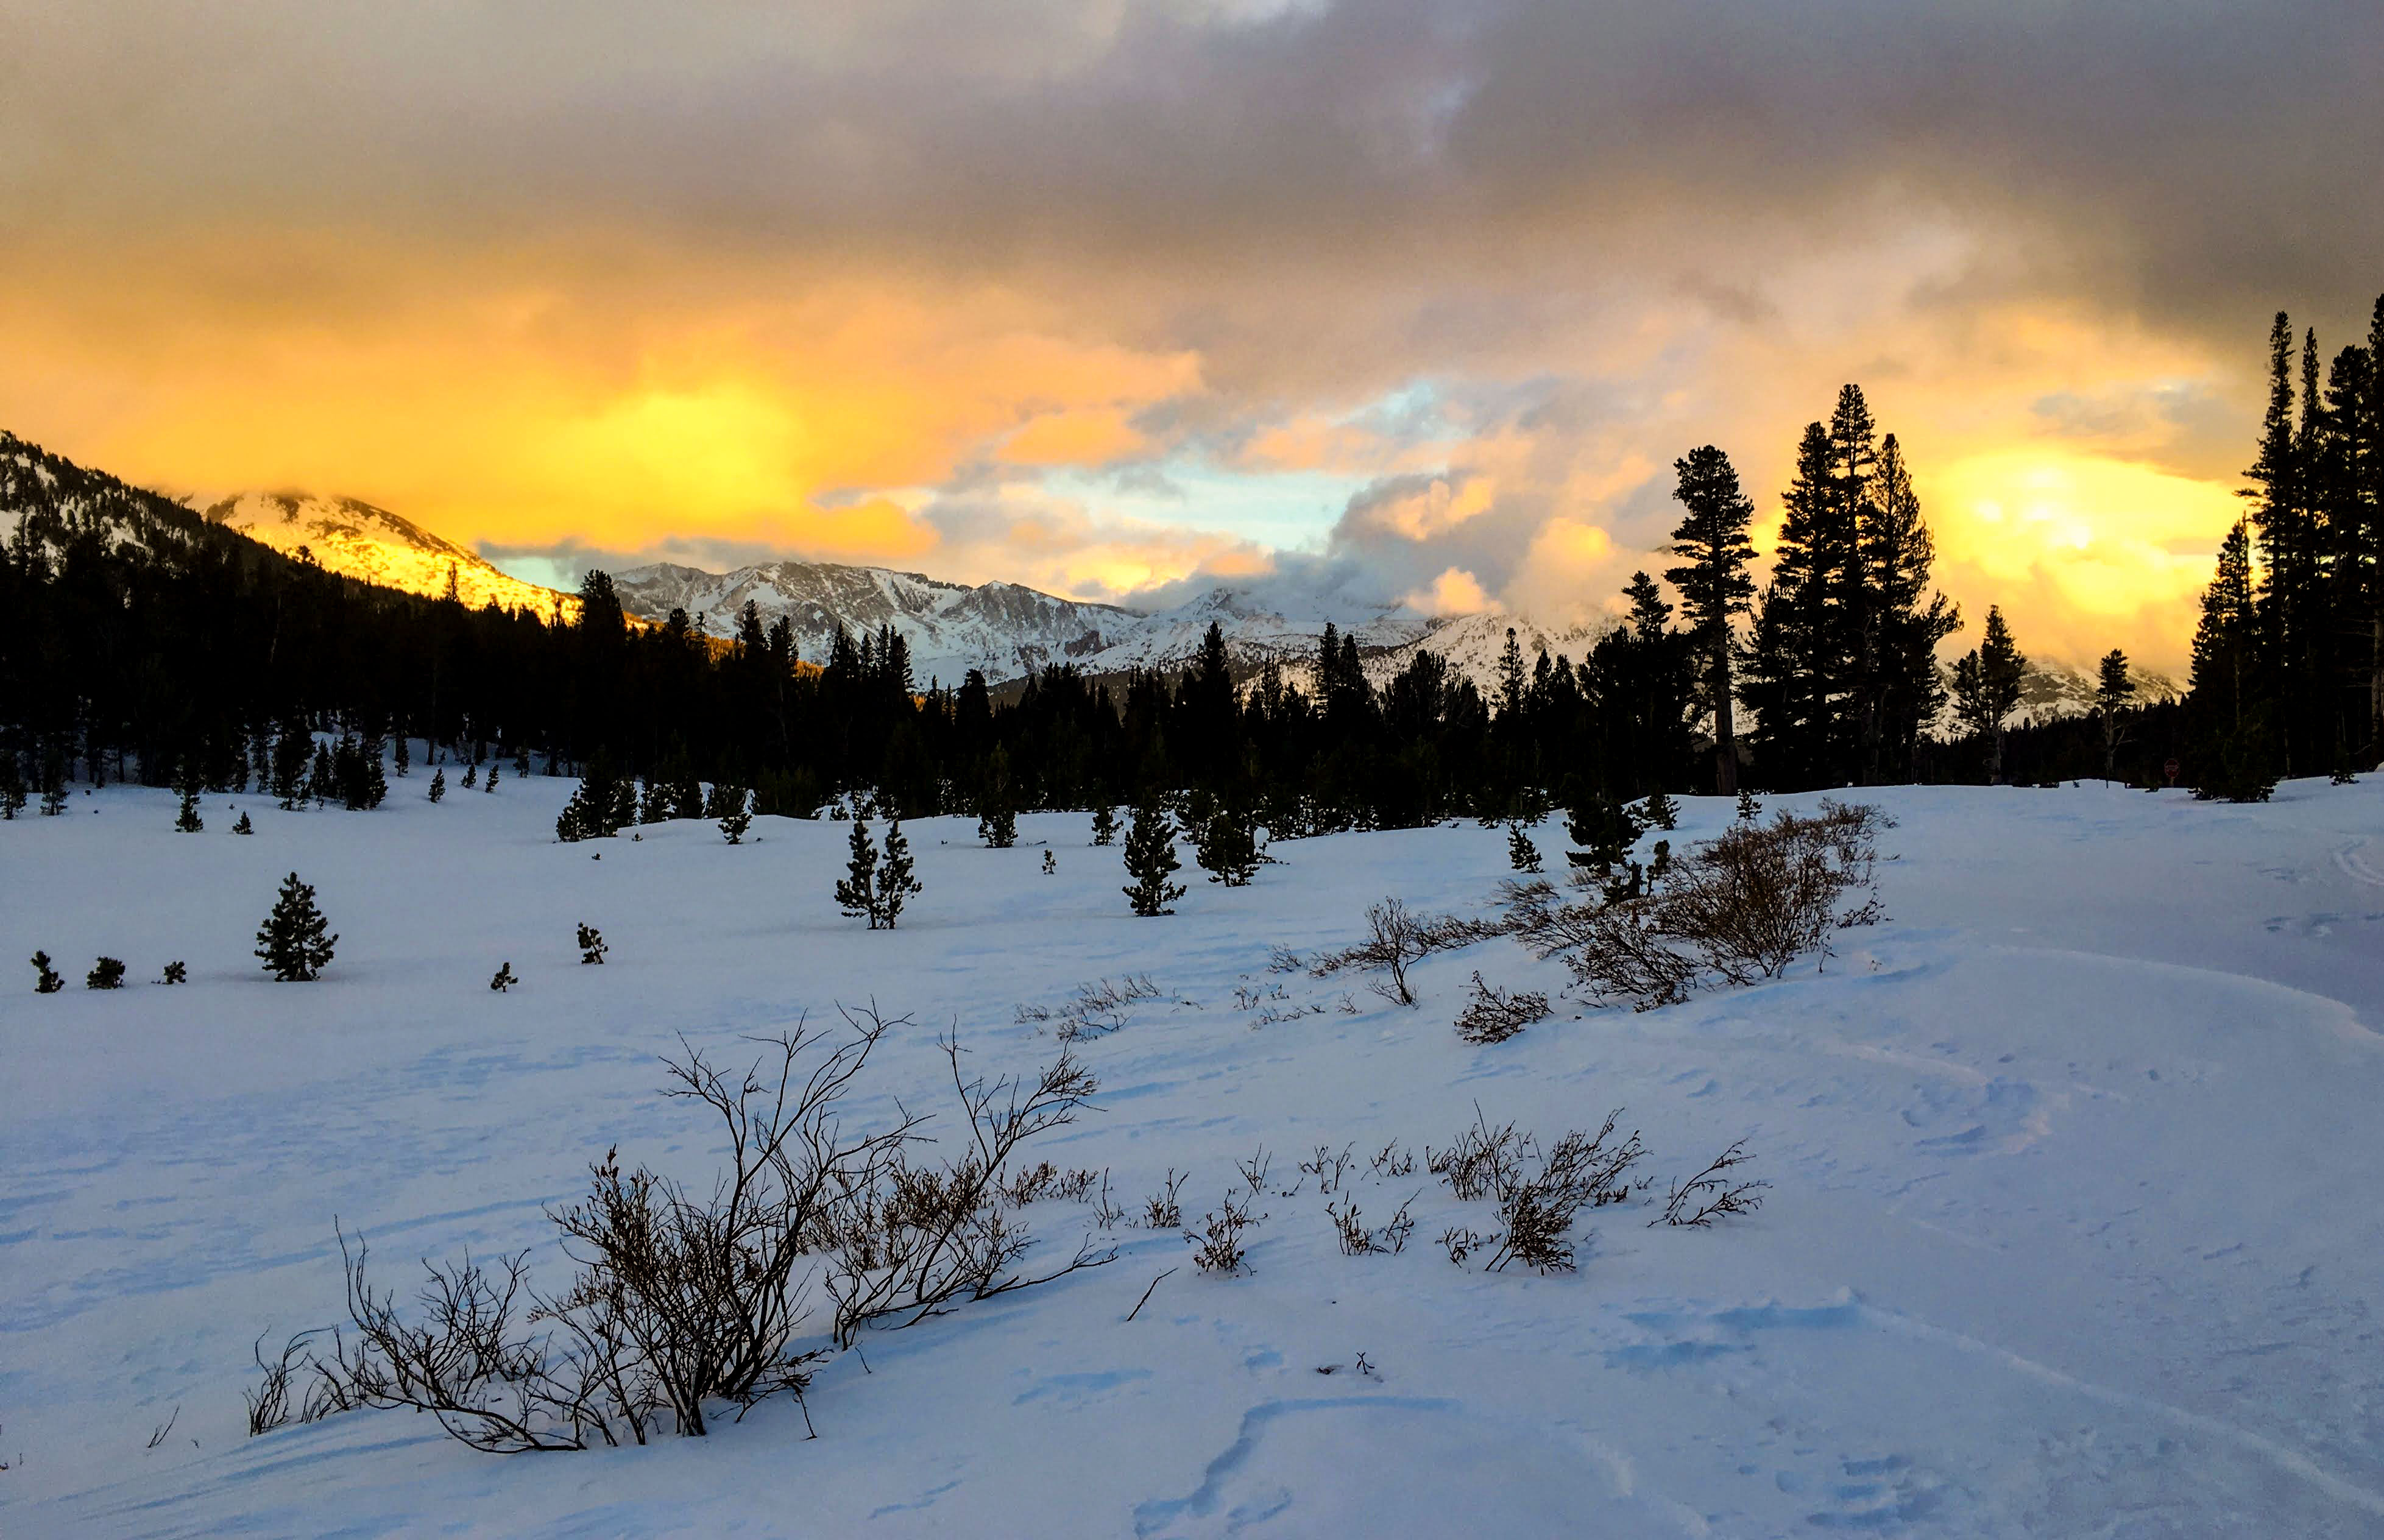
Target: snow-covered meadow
2073	1227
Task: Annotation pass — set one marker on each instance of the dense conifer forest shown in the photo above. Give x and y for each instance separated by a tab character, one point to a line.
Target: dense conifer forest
137	641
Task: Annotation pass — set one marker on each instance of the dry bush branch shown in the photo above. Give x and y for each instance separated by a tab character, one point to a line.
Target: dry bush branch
936	1234
1218	1246
1711	1194
1494	1015
1396	939
1163	1211
1740	907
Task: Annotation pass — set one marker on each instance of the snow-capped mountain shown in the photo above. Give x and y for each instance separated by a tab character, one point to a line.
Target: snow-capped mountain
47	502
1005	630
357	539
2051	689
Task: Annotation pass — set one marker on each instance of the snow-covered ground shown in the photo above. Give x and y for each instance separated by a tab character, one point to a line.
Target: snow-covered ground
2074	1226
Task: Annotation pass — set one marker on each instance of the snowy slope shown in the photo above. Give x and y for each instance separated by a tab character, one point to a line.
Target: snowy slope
2071	1232
357	540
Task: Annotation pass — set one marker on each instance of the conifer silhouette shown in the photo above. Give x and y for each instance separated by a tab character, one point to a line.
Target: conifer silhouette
1149	859
291	943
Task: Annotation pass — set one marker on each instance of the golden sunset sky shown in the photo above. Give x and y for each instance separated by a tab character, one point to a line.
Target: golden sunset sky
1381	297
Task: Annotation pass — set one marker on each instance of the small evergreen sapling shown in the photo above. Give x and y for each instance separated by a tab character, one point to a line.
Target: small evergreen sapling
12	792
877	885
107	973
1051	864
188	821
737	816
1662	812
53	794
591	946
438	786
471	776
292	942
490	783
856	892
1521	854
896	885
1749	810
1105	824
1149	859
176	973
1604	831
503	979
997	821
47	982
243	827
1226	847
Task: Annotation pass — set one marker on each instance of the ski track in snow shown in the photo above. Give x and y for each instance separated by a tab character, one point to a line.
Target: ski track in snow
2056	1243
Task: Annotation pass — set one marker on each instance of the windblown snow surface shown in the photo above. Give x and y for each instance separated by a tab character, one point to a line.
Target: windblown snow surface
2073	1228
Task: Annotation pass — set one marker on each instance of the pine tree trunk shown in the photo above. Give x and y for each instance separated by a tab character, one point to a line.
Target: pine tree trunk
1725	737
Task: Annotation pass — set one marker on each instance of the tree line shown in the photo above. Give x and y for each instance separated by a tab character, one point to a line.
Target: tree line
138	641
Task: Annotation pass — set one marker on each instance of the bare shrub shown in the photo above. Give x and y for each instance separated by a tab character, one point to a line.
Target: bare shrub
1461	1243
687	1299
1479	1160
1218	1243
1327	1167
1712	1194
1538	1196
1254	1170
929	1237
1161	1210
1096	1009
1105	1213
1742	906
1396	939
1393	1160
1357	1240
1494	1015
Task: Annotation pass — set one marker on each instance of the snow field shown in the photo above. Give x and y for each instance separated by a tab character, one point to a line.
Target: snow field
2072	1228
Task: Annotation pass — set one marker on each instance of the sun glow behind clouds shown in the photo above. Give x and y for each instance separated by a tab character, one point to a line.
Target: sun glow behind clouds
2120	545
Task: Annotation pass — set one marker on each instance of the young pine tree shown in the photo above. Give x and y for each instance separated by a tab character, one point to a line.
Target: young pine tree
46	980
1662	812
1226	847
856	891
1150	859
1105	824
292	942
186	781
438	785
1711	541
243	827
1521	854
1604	831
1749	810
591	946
737	816
1986	689
488	782
106	974
2112	689
896	885
997	816
503	979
